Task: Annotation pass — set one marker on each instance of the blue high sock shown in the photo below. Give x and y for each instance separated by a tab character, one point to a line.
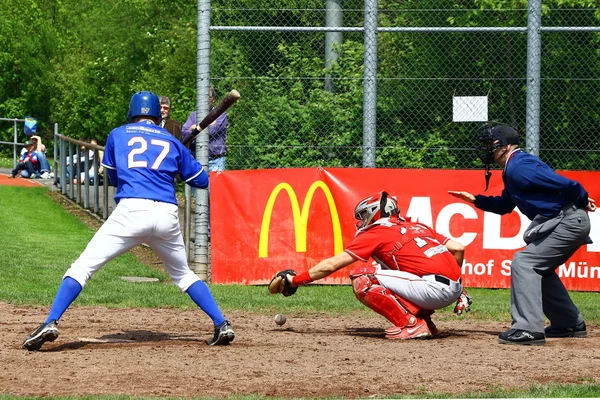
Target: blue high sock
202	296
68	291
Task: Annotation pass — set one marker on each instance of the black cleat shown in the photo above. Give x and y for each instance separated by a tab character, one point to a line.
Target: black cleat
522	337
579	330
223	335
46	332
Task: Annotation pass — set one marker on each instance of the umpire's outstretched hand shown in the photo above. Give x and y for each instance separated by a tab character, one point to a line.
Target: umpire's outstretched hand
591	205
466	196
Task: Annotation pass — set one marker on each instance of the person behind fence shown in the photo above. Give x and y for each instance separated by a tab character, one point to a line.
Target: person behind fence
416	269
142	160
28	163
79	162
217	136
171	125
558	209
92	164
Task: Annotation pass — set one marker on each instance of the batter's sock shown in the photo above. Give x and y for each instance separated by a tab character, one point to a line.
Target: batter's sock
68	291
202	296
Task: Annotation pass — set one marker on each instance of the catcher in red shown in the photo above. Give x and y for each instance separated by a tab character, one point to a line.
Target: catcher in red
416	270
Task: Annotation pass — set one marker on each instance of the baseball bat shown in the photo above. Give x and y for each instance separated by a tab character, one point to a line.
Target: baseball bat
227	102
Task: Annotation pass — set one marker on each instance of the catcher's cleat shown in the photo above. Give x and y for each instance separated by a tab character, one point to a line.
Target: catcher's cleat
395	330
46	332
223	335
416	331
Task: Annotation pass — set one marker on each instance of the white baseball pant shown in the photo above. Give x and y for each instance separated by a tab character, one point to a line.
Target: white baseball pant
133	222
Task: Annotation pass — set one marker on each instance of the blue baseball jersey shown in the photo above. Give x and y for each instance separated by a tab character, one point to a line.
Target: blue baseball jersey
143	159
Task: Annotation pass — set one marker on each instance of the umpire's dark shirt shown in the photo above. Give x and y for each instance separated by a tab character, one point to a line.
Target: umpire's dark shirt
534	188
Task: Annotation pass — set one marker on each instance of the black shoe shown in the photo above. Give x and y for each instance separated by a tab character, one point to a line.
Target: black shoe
522	337
46	332
579	330
223	335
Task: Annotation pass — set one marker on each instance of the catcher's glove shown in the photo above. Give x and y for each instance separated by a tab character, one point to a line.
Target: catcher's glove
463	304
280	283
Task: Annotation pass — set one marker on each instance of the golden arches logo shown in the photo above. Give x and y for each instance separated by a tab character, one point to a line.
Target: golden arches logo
300	218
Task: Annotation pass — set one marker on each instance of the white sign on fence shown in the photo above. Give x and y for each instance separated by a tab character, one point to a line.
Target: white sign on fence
470	109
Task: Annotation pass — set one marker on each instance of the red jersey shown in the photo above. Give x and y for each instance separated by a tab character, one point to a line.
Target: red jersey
405	246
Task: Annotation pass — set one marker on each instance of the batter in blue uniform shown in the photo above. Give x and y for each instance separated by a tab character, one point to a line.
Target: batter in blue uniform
142	160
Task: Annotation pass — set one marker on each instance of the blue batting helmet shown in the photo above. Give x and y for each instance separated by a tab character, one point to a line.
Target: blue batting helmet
144	104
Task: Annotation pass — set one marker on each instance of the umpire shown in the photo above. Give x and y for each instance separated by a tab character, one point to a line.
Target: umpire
557	208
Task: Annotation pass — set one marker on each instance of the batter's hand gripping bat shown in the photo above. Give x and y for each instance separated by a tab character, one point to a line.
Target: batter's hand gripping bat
227	102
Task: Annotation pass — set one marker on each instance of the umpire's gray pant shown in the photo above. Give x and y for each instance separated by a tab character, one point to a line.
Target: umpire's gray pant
535	287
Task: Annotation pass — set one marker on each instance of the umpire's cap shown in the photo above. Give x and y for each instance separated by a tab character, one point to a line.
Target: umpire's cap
144	104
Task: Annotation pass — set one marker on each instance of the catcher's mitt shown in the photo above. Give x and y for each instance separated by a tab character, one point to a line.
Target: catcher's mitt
280	283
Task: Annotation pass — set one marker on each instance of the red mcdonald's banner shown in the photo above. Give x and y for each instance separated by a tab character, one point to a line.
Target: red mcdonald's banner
264	221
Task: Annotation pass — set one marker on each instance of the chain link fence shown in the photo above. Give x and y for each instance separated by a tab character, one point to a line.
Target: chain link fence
303	76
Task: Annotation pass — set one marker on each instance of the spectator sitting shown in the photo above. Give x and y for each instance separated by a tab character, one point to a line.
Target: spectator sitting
39	146
28	164
79	162
43	167
92	172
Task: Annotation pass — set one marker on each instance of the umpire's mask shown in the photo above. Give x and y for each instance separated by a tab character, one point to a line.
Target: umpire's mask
491	137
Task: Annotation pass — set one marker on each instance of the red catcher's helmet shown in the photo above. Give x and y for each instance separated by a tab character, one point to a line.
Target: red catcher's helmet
374	207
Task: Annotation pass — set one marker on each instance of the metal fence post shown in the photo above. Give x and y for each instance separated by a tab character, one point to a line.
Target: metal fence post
56	154
370	85
63	166
334	19
534	54
200	259
15	145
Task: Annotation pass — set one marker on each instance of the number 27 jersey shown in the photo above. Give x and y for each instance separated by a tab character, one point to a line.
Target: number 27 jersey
147	158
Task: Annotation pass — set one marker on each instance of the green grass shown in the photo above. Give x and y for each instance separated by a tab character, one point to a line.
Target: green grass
6	162
589	390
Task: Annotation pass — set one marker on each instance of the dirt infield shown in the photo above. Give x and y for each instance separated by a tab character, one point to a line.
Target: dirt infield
161	352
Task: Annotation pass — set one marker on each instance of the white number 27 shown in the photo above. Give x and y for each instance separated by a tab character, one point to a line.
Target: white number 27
133	163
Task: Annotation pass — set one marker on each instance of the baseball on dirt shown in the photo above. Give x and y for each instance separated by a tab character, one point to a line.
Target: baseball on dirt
280	319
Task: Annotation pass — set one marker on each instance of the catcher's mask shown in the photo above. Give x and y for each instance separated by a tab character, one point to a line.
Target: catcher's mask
491	137
374	207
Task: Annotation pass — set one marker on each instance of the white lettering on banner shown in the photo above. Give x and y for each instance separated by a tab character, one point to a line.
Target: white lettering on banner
491	232
443	221
419	210
594	233
478	268
574	269
578	270
505	267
